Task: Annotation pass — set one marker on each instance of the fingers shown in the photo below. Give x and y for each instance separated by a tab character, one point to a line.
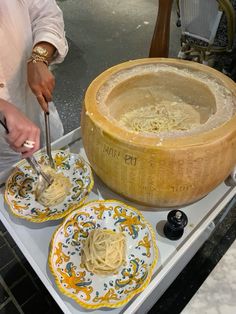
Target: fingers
27	151
41	82
20	130
36	139
27	142
43	103
51	84
19	142
21	149
31	151
47	95
35	143
13	135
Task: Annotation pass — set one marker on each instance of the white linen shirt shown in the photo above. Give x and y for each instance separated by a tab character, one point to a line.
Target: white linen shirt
24	23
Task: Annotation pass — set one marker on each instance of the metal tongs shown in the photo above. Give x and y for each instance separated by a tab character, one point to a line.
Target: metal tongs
48	140
44	179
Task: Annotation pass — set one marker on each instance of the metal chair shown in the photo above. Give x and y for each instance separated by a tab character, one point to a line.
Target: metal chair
199	21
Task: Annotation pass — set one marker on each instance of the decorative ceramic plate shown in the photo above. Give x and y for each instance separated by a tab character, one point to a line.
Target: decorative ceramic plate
90	290
19	193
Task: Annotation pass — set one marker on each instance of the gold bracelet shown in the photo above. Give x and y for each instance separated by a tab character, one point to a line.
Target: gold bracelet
35	58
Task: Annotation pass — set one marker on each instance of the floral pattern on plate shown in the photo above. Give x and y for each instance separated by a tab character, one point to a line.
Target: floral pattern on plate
19	192
94	291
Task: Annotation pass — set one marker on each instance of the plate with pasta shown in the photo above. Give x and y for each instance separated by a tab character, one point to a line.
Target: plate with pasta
103	254
73	180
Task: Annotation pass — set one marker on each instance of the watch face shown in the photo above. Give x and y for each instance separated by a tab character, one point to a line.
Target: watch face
40	51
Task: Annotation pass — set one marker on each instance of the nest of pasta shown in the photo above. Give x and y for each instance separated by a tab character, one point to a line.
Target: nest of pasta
104	251
56	192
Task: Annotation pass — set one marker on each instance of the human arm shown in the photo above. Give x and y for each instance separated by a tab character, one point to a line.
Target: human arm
48	33
20	129
42	82
48	26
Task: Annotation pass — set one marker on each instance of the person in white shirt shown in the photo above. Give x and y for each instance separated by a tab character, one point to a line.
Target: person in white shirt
32	37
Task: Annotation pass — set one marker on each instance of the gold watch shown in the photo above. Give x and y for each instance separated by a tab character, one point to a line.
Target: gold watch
40	51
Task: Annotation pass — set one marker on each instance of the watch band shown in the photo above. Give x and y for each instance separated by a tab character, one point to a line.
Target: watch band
40	51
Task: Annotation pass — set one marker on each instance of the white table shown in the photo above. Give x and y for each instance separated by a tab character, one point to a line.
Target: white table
33	239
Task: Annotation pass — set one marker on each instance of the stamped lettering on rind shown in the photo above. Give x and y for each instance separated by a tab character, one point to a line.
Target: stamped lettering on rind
129	159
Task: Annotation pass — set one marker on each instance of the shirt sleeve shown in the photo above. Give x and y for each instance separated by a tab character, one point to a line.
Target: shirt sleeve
48	25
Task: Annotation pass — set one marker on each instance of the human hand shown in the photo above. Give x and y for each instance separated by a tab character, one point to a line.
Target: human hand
20	129
41	82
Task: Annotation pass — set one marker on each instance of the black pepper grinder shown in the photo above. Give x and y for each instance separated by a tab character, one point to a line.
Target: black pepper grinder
174	227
